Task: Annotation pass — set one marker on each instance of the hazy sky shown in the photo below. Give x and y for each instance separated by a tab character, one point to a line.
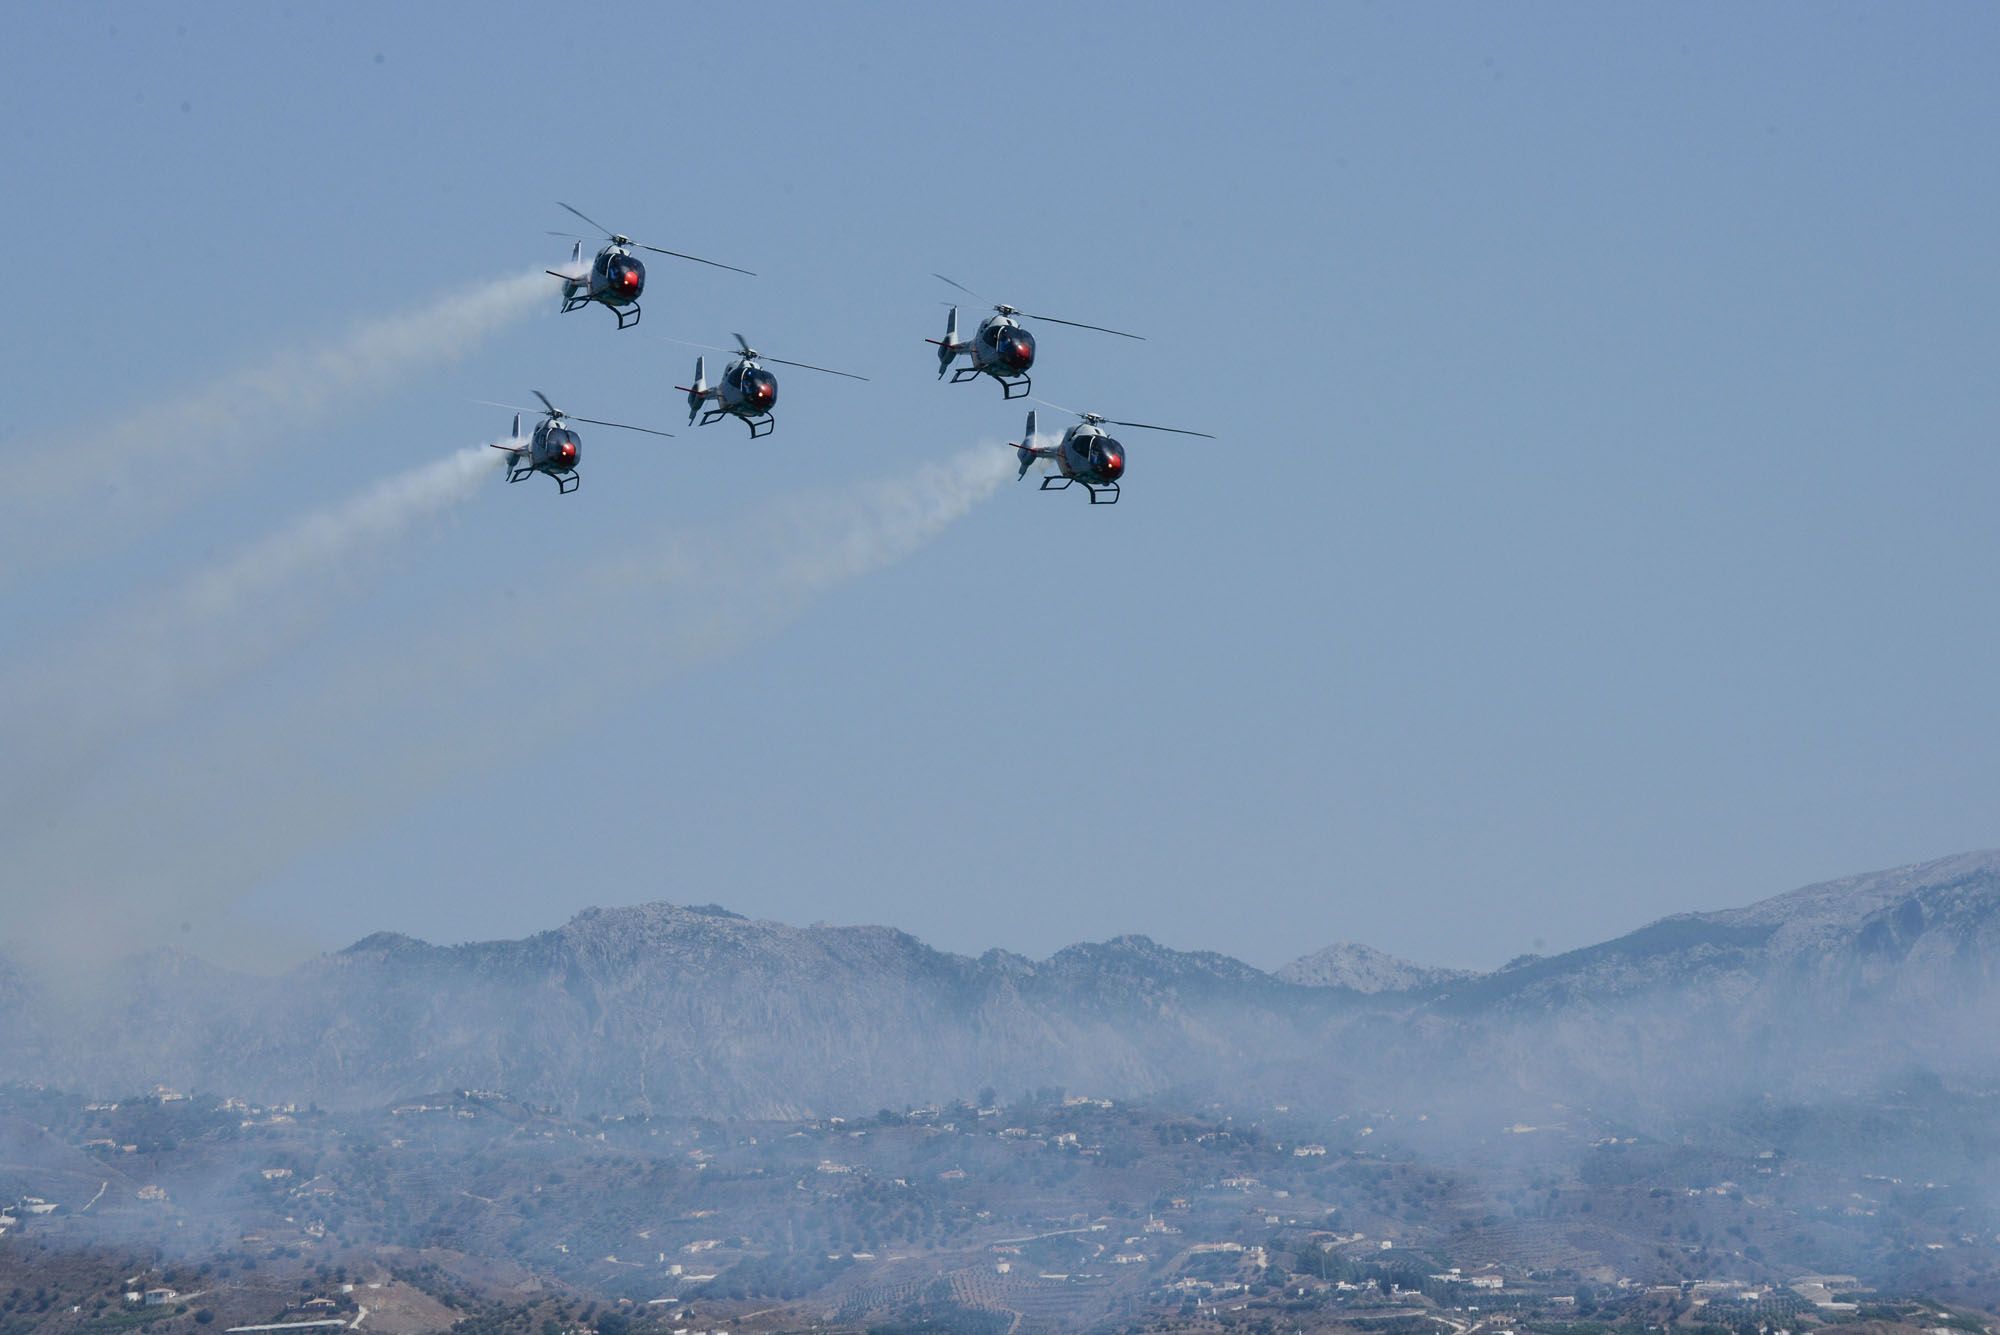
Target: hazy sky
1603	523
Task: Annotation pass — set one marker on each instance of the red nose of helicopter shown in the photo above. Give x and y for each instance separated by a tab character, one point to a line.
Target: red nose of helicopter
1114	464
567	452
1017	350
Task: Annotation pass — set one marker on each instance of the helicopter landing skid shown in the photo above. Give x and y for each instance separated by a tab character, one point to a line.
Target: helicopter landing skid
1101	493
759	426
1015	387
626	316
565	482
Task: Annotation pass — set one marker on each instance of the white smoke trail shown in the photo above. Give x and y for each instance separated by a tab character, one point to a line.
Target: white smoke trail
181	840
107	480
58	715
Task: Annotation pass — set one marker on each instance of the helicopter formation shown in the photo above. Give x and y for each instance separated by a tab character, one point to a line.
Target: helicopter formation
1002	348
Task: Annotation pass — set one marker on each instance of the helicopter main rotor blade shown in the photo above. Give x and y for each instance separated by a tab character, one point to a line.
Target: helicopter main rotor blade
688	343
511	407
1148	426
960	286
659	250
810	367
622	426
1078	324
587	218
553	410
751	354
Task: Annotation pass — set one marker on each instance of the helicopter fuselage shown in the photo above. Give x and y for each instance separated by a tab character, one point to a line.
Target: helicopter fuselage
554	449
1086	456
1089	454
1000	348
615	279
747	389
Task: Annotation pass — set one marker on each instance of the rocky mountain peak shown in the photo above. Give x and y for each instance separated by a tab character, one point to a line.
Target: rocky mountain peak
388	943
1136	954
654	917
1809	918
1360	968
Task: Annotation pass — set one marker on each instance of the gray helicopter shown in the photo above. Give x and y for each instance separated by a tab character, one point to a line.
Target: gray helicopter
554	449
616	277
1001	348
746	391
1086	456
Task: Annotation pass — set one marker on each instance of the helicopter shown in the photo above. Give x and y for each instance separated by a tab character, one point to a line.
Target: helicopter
1001	348
554	448
616	277
1086	455
746	390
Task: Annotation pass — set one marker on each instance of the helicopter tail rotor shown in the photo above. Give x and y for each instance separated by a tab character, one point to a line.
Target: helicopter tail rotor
949	348
1025	451
698	393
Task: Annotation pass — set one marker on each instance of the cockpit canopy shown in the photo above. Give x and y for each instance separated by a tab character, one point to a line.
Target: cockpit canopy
624	275
1012	346
1107	457
558	445
760	387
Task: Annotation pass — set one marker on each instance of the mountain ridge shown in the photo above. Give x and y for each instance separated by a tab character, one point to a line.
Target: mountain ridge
697	1009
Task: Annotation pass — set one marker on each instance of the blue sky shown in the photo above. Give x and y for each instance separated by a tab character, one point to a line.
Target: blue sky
1601	525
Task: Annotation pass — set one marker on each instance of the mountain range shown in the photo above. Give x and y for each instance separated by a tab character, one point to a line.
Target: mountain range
696	1010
